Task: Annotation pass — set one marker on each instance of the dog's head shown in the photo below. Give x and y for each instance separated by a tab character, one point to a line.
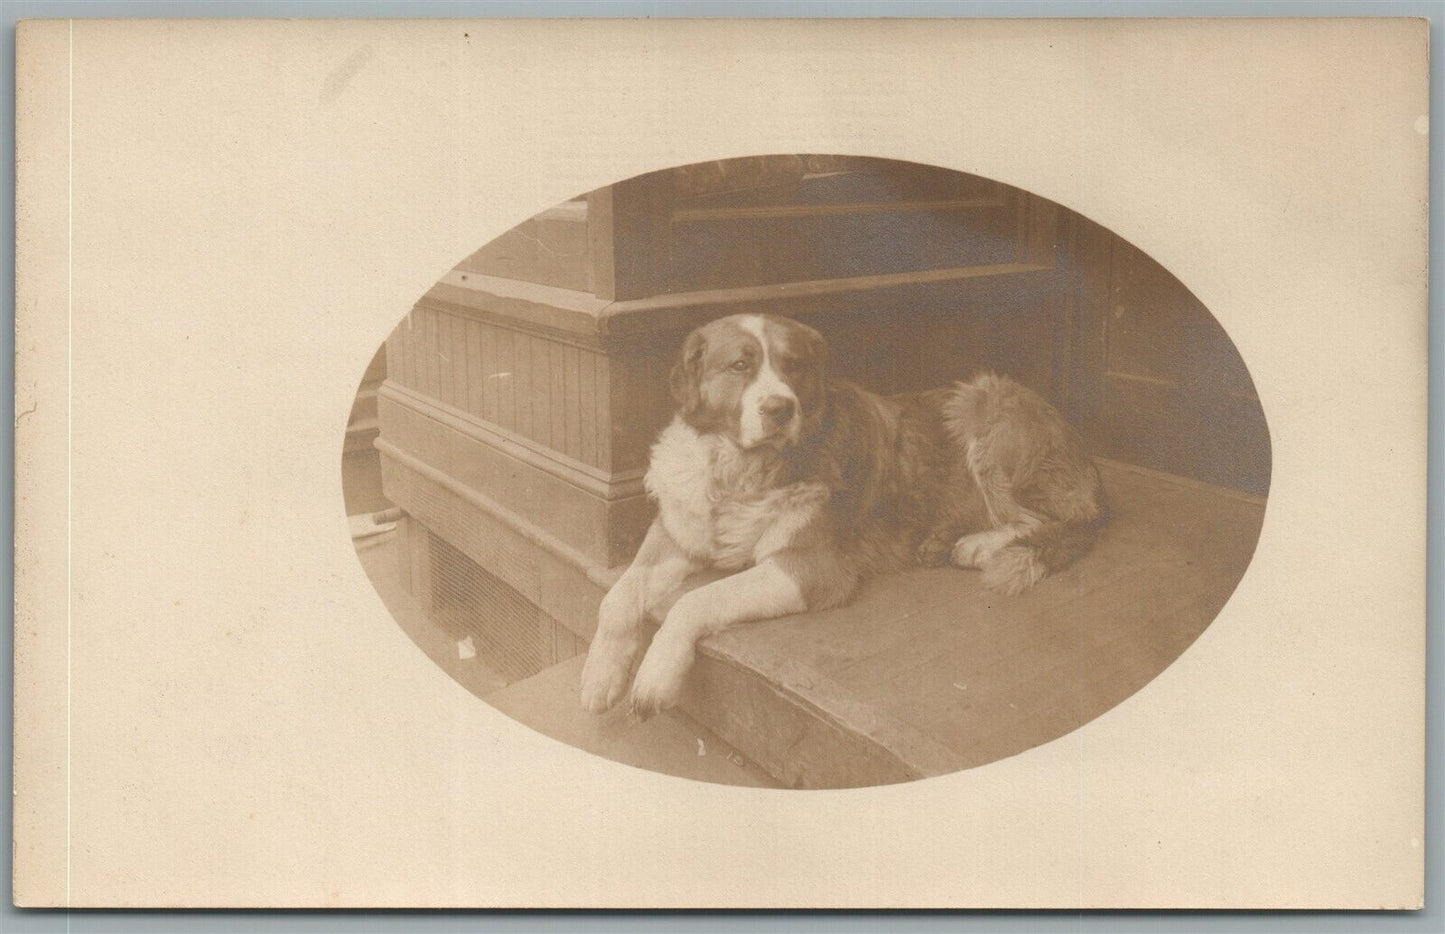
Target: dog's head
756	379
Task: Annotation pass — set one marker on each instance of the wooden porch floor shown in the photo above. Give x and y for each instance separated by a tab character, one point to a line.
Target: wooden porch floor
925	672
946	675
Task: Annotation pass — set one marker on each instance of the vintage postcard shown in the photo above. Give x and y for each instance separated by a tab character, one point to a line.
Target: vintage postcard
721	463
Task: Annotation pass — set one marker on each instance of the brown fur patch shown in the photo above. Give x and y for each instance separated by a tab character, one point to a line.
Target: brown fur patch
1034	474
906	476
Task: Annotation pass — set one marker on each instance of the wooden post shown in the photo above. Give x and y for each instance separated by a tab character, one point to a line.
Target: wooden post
629	225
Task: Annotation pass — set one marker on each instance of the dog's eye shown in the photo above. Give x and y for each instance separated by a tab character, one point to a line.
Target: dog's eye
739	366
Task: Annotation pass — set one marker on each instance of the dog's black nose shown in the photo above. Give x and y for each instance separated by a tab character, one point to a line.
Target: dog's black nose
778	409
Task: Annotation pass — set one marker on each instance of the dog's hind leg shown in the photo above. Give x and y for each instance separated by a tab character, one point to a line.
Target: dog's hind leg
974	551
994	548
1009	563
1010	522
1013	569
1014	559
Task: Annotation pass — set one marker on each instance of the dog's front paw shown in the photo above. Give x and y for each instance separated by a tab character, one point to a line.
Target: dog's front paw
604	675
659	682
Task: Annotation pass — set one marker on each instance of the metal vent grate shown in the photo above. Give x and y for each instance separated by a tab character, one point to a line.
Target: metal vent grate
511	634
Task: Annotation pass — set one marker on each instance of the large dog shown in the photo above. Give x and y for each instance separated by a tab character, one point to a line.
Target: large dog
800	486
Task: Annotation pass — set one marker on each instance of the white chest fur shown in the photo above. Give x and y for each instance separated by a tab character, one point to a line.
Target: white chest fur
715	504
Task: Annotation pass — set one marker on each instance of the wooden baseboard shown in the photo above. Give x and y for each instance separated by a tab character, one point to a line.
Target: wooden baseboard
561	580
603	531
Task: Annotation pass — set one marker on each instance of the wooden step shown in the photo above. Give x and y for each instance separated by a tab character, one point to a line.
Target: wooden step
926	672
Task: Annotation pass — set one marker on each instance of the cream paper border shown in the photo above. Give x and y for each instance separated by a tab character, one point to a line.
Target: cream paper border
219	221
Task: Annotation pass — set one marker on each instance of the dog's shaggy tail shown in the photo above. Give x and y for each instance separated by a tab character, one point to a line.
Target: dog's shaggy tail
1049	548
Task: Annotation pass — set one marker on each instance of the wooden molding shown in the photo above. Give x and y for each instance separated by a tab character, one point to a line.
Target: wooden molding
596	573
1183	482
769	211
819	296
592	322
568	592
592	479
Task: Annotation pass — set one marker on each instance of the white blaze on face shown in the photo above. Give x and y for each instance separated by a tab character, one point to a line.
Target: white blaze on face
753	426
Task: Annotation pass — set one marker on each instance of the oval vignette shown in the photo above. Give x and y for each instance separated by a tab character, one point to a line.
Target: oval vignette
493	462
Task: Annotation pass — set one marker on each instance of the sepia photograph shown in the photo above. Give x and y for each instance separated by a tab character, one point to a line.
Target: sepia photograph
676	464
806	471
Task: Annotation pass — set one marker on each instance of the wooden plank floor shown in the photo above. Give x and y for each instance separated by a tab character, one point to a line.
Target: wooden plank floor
950	675
925	672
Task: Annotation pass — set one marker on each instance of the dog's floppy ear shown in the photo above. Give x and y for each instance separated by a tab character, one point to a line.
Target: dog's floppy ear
817	348
812	384
686	372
